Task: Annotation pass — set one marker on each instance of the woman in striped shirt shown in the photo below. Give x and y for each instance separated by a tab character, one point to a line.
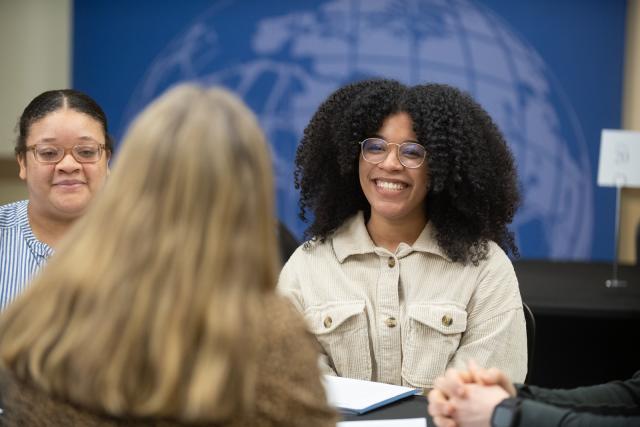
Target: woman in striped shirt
63	149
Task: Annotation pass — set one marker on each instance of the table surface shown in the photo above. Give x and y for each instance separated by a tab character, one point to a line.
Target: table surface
578	288
410	407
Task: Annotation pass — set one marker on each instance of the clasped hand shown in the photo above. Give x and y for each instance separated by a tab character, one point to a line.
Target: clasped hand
467	398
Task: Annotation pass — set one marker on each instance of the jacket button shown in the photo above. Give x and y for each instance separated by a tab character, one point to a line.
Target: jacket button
391	322
327	321
447	320
391	262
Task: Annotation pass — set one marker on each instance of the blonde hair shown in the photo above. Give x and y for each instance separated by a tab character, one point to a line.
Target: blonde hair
151	305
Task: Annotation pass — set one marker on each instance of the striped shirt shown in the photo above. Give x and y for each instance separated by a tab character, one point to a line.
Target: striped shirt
21	253
404	317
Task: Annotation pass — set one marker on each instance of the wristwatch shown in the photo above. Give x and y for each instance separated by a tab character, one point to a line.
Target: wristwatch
506	413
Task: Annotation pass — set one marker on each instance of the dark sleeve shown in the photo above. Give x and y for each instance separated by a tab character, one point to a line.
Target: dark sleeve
612	404
537	414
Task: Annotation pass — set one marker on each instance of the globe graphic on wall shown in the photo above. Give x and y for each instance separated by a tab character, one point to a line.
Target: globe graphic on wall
284	63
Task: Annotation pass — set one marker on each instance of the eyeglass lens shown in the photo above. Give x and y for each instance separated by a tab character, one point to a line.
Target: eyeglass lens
410	154
83	153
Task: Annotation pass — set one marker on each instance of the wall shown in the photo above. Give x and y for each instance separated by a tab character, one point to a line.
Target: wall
35	44
35	39
550	87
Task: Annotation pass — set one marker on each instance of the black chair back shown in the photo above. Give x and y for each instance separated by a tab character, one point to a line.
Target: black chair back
531	339
638	245
286	242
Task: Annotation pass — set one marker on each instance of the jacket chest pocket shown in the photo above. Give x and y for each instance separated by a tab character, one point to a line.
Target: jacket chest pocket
434	332
342	330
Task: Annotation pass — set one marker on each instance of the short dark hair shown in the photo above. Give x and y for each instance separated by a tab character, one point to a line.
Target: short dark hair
473	191
53	100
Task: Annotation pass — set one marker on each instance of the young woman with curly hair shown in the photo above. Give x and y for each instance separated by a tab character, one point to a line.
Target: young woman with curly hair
405	273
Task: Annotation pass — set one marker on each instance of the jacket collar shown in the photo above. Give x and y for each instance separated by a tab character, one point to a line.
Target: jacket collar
352	238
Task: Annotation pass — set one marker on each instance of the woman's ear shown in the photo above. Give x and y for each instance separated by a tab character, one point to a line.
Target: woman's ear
22	162
108	160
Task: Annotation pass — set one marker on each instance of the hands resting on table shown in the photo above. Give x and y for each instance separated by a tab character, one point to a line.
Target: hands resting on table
468	398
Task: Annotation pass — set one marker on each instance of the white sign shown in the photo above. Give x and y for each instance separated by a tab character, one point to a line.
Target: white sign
619	164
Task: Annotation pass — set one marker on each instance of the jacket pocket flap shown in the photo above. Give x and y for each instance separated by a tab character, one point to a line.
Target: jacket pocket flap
445	318
327	318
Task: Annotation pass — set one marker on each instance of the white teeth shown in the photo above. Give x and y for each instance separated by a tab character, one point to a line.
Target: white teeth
390	185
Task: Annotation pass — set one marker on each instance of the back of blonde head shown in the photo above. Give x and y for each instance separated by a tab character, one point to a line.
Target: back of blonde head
151	304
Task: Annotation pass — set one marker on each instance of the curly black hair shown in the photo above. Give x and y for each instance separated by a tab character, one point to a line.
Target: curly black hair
473	192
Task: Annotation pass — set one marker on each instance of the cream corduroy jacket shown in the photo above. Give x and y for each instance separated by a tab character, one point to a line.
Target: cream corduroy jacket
405	317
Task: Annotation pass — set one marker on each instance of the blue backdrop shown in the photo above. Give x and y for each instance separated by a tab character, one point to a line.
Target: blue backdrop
548	71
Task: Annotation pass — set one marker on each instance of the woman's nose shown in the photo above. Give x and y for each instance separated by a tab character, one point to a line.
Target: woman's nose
391	161
68	163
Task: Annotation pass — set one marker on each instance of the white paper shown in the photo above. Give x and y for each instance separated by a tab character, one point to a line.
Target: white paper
357	396
407	422
619	163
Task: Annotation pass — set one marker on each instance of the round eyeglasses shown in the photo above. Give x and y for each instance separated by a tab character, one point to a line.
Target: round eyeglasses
83	153
410	154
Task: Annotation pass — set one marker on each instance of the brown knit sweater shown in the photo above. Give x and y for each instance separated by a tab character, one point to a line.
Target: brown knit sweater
289	392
